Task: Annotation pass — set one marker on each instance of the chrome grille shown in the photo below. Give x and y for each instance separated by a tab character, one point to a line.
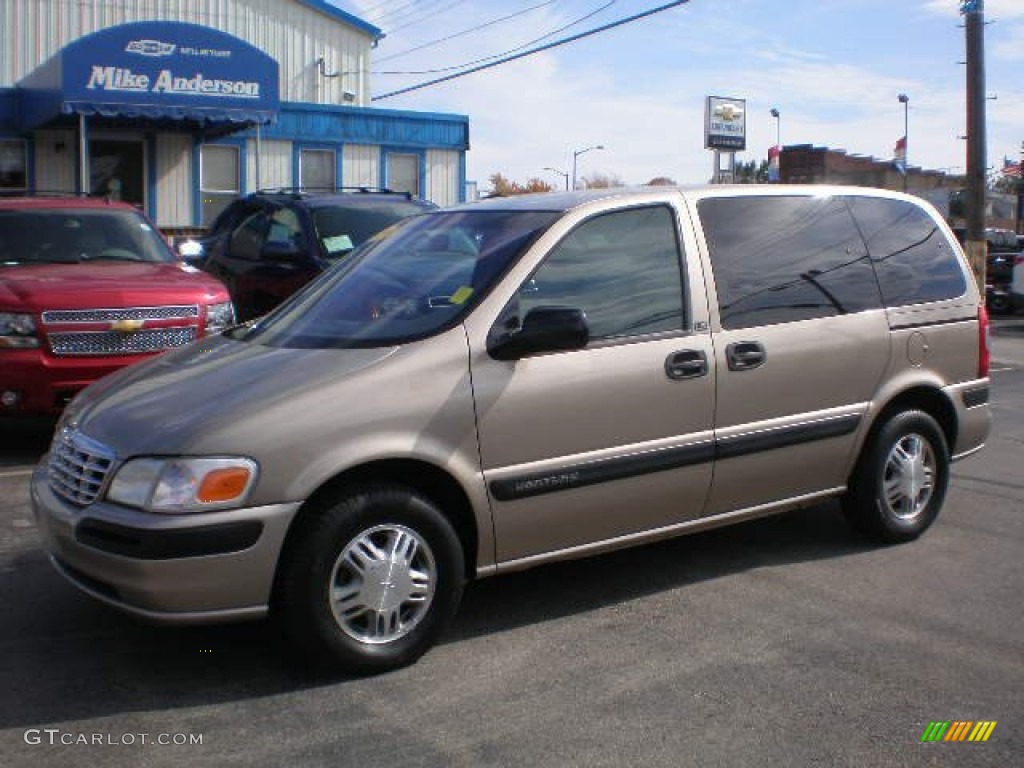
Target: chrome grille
52	316
119	343
78	467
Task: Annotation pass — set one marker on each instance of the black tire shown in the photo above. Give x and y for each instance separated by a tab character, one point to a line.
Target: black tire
900	482
378	545
999	304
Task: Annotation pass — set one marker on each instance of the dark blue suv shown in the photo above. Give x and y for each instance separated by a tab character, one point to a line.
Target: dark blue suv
267	245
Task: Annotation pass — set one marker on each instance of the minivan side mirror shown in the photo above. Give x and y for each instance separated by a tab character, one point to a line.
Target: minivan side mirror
544	329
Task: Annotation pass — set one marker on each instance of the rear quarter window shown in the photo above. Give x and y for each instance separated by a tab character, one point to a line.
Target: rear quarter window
914	260
779	259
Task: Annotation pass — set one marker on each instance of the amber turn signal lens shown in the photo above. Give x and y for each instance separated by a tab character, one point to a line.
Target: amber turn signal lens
223	485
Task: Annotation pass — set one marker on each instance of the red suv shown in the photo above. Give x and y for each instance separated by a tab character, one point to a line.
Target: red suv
88	286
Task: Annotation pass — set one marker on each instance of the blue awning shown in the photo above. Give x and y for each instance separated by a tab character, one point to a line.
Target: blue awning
161	71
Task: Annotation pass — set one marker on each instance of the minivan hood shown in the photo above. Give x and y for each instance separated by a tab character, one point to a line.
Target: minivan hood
41	287
207	396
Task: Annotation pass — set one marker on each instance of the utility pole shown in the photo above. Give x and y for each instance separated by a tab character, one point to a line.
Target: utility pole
974	18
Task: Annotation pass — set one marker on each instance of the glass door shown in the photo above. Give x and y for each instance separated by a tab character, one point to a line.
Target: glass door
117	169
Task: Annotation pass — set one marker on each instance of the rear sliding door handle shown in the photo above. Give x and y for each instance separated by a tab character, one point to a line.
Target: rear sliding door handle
686	364
745	355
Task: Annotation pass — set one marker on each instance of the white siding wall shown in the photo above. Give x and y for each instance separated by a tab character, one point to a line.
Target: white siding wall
360	166
56	160
294	34
275	165
442	176
174	182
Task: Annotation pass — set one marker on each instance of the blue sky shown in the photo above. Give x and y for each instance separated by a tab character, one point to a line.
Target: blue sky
833	69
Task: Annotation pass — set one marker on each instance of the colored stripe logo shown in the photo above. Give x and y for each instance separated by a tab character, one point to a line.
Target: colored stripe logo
958	730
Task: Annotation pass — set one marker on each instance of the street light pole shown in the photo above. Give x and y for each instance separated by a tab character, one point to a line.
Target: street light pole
775	157
563	174
576	154
905	101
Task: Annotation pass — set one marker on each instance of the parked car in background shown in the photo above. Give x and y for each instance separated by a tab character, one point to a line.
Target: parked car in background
267	245
1016	288
88	286
1003	252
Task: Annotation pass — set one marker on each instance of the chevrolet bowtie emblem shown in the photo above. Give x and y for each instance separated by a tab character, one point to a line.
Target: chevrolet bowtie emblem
126	326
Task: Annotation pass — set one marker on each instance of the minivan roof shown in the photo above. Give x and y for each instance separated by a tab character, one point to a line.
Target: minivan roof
566	200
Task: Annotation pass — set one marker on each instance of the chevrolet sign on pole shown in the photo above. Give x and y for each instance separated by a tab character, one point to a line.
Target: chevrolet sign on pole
725	124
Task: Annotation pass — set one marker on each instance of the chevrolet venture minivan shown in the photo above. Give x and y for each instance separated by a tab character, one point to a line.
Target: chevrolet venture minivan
515	381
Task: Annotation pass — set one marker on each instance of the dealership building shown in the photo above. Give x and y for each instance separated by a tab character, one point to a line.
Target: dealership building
180	106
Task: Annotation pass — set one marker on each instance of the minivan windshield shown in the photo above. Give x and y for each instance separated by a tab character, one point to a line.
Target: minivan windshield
78	235
419	276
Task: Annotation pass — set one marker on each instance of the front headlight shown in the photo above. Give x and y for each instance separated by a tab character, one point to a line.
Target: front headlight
17	331
177	486
219	317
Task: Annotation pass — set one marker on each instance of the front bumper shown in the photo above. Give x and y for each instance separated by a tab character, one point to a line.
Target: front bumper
173	569
45	384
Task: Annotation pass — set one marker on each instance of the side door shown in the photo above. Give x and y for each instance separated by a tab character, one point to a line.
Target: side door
236	258
801	344
286	261
592	446
264	261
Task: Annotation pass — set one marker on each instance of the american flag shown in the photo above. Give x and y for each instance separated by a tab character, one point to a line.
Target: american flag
1011	169
900	152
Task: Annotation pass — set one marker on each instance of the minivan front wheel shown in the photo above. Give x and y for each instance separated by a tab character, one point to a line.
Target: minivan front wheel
371	581
899	485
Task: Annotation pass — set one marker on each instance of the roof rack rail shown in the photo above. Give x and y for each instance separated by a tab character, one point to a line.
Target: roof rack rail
299	191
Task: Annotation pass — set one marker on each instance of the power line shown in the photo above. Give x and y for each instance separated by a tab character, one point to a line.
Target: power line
524	54
464	32
421	19
527	44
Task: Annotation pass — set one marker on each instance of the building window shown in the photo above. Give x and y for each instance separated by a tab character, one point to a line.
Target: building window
219	179
317	169
404	173
13	166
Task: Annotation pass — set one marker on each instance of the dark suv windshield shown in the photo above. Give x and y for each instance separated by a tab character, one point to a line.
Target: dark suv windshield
77	235
341	228
409	281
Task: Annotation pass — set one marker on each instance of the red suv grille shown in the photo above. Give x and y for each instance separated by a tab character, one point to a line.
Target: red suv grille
134	339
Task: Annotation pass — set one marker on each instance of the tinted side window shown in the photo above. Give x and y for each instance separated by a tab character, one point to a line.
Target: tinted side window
285	229
915	263
247	240
781	259
622	269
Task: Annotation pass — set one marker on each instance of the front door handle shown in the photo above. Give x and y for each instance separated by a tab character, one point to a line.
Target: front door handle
745	355
686	364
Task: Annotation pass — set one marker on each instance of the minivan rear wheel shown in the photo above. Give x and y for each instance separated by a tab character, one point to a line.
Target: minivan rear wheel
370	582
900	482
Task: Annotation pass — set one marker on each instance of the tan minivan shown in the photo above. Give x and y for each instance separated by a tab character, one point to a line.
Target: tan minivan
521	380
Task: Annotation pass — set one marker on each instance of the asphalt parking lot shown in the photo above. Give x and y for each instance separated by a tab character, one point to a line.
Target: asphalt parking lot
786	641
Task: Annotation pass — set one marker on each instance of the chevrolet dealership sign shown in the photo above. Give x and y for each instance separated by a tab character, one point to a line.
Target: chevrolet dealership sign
168	70
725	124
123	79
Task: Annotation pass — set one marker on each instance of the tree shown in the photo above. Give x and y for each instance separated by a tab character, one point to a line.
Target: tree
662	181
502	187
602	181
752	172
537	185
